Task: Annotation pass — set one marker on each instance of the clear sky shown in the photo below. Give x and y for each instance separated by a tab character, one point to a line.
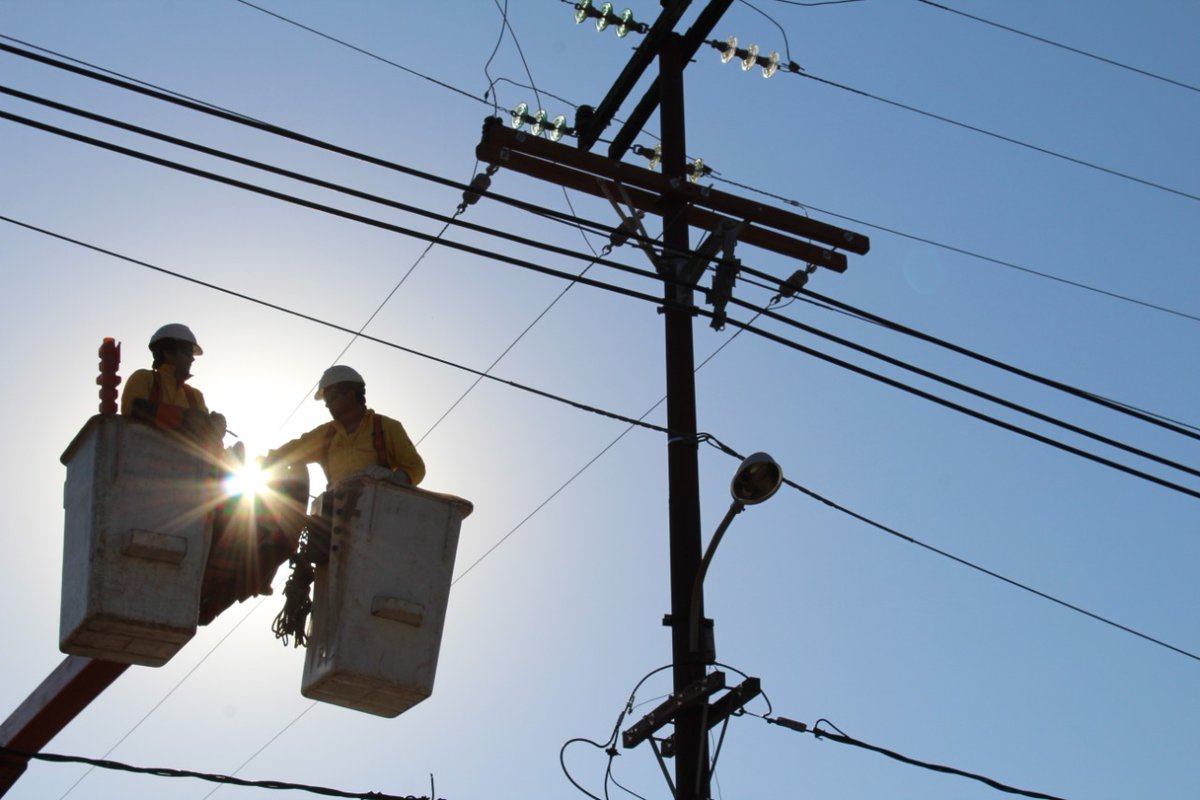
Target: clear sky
547	635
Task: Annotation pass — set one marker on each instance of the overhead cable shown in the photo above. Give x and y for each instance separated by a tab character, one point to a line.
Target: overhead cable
1062	46
277	130
993	134
489	254
933	376
1174	426
959	250
163	772
631	423
842	738
1008	426
344	329
360	50
281	171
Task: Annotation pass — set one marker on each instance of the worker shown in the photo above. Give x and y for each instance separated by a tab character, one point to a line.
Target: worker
357	440
161	395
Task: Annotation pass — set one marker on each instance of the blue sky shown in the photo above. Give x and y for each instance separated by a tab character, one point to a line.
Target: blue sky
548	634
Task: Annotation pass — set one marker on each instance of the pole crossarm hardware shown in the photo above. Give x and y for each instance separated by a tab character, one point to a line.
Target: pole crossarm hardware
765	226
723	708
698	692
591	125
75	683
692	40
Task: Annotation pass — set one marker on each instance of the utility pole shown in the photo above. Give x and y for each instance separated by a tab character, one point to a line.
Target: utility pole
681	205
691	760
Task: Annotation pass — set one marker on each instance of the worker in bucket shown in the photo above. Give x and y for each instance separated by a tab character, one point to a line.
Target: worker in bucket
161	396
358	440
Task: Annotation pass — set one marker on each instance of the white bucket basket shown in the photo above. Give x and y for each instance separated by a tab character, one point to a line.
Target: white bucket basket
379	605
137	529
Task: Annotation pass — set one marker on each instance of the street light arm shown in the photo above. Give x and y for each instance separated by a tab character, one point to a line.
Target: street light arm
735	508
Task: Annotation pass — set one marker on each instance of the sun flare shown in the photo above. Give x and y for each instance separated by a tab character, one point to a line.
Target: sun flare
247	480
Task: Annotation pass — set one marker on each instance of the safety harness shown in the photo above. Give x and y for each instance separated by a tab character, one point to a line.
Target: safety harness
377	435
156	392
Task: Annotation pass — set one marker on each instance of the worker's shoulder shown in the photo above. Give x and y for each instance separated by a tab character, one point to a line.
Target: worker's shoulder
386	421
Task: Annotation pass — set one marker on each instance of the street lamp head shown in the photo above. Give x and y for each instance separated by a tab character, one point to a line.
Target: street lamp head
756	479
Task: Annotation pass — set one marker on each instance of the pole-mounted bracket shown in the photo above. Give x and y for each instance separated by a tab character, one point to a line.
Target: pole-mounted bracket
722	709
697	692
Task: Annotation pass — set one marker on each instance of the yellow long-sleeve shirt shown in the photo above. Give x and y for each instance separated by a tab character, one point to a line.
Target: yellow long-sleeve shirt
172	399
352	452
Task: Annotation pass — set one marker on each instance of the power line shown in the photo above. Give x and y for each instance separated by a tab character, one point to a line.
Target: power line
842	738
357	49
631	422
1174	426
959	250
1062	46
895	362
357	217
245	119
992	134
1008	426
276	130
269	168
581	279
957	559
344	329
164	772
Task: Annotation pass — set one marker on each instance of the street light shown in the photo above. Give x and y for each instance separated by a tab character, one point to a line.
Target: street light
757	479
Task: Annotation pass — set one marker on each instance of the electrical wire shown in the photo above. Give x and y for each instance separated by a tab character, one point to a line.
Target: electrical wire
632	423
1062	46
343	329
1152	418
357	49
269	128
962	387
620	290
163	772
964	409
708	439
959	250
1001	137
320	183
842	738
587	281
166	696
489	254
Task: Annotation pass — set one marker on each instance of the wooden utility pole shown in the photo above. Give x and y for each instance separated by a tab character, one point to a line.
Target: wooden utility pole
681	205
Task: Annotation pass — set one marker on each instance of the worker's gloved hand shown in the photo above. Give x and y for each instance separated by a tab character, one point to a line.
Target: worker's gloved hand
217	421
144	410
378	472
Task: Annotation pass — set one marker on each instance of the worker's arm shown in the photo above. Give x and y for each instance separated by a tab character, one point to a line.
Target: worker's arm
307	449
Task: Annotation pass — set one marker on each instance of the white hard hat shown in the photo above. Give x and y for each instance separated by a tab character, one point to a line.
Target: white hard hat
176	330
337	374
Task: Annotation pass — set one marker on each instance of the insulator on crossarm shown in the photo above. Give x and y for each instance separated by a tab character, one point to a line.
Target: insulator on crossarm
627	24
605	17
729	50
751	57
518	115
108	379
772	64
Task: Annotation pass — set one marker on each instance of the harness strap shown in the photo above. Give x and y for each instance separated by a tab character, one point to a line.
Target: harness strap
156	392
381	455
